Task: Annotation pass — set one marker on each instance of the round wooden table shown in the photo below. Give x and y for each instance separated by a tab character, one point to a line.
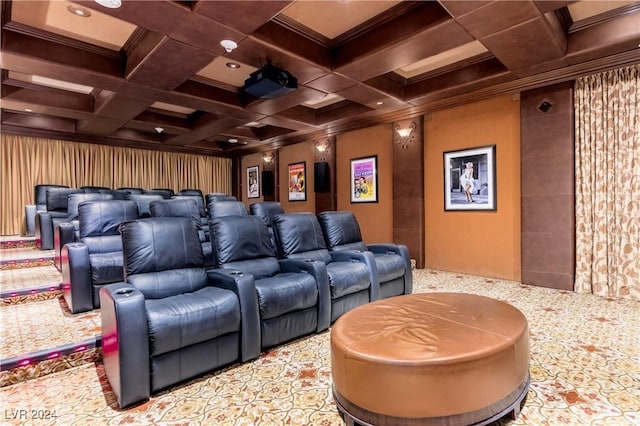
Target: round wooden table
430	359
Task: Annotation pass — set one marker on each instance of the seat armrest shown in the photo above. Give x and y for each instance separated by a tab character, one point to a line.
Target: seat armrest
62	234
244	287
402	251
44	231
30	211
76	277
125	342
318	270
368	259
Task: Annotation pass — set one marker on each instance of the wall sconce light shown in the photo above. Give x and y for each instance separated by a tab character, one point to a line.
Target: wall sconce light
324	149
405	135
267	158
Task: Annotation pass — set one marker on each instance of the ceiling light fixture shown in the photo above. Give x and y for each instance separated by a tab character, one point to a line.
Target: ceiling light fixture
28	110
159	130
229	45
232	140
78	11
379	103
111	4
233	65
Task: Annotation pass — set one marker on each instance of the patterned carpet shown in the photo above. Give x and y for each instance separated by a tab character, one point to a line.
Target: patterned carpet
585	370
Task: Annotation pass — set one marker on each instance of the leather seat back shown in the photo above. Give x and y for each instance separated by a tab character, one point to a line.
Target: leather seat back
163	192
299	235
174	207
197	199
227	208
40	194
58	199
76	199
217	196
192	192
89	189
341	230
102	218
143	202
159	269
266	210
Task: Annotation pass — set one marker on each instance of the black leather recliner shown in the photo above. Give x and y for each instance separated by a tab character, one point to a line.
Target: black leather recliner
130	190
96	259
165	193
353	276
226	208
56	213
218	196
267	210
68	232
39	205
143	202
91	189
342	232
190	191
293	294
172	320
186	208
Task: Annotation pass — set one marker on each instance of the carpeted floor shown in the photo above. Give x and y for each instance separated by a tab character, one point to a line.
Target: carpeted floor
585	370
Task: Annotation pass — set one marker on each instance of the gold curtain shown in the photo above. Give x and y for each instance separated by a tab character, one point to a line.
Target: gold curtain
607	160
26	162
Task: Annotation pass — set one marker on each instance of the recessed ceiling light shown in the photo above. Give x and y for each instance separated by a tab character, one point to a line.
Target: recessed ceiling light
111	4
159	130
379	103
28	110
233	65
78	11
233	140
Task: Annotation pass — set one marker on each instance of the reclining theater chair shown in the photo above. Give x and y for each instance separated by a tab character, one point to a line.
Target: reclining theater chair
56	213
40	205
171	320
353	277
293	295
68	231
186	208
342	232
267	210
96	259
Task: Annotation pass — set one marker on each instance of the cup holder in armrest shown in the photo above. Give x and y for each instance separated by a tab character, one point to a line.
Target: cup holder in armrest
309	260
236	273
124	291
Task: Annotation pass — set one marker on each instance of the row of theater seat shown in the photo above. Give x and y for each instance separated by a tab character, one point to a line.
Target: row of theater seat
173	318
54	205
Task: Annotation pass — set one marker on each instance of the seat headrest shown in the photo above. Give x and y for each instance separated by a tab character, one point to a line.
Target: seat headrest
298	232
164	192
195	198
89	189
240	238
76	199
58	198
190	192
340	228
227	208
214	196
143	201
100	218
176	208
266	210
40	192
159	244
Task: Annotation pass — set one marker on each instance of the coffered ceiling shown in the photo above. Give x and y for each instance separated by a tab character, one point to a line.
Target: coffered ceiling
81	71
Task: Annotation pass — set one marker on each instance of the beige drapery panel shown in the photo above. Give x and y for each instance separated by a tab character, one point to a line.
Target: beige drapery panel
26	162
607	108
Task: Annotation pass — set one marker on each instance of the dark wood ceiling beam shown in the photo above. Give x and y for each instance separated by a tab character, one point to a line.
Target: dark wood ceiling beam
161	16
33	56
49	123
288	123
612	37
204	33
274	106
99	126
206	128
344	110
243	16
199	96
301	114
149	120
44	97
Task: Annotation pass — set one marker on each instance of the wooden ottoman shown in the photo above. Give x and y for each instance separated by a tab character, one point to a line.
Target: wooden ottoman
430	359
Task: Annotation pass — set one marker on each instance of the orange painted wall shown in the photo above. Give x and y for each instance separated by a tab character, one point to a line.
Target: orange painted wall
375	219
250	161
295	154
480	243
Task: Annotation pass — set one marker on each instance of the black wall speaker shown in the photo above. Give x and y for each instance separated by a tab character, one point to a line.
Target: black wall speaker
321	177
268	183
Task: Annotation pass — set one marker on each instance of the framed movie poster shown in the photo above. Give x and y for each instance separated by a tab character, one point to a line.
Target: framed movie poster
364	180
298	181
470	179
253	182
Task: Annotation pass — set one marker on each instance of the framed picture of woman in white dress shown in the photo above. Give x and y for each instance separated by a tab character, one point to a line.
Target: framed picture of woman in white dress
470	179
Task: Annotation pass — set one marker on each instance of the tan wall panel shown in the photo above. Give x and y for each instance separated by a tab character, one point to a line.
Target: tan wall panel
481	243
376	219
297	153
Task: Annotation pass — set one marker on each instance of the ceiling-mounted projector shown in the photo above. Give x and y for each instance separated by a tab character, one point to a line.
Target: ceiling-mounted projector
270	82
